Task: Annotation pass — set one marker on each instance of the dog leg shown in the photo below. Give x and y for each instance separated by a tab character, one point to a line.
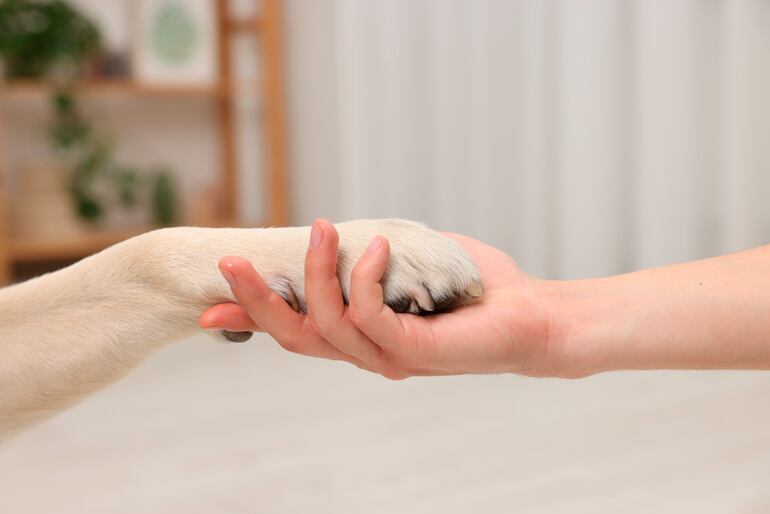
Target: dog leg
69	333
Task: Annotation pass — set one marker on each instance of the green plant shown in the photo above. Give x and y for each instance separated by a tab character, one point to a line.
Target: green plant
93	169
36	37
51	40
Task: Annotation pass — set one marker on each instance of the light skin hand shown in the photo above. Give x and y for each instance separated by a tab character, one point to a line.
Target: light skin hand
708	314
509	330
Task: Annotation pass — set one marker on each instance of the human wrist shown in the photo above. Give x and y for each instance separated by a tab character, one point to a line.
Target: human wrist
590	323
558	328
645	320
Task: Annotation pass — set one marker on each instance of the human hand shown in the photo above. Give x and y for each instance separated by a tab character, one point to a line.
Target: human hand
509	330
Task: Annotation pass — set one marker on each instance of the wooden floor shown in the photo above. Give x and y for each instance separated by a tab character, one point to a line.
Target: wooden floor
211	428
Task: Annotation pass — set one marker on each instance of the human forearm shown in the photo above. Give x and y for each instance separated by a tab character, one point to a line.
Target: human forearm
709	314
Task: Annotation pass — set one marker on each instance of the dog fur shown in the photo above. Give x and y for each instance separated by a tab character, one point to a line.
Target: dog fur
68	333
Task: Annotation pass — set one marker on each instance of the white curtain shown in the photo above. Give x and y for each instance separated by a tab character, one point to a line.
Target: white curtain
583	137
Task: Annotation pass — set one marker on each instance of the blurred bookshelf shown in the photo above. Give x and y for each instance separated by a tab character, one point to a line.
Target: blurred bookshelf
16	251
118	87
23	250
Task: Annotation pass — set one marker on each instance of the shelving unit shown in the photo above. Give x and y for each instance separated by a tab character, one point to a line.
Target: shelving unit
36	250
266	27
18	88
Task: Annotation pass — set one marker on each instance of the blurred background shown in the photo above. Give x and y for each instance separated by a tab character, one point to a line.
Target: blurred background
583	138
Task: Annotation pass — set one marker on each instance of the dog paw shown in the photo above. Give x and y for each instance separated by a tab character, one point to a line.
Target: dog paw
427	271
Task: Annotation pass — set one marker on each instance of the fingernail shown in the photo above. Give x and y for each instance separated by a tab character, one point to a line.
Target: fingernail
316	235
229	276
374	246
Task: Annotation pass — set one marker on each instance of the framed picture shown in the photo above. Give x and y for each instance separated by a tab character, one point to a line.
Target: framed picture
176	42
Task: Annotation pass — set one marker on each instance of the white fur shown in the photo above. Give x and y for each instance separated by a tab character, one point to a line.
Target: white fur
68	333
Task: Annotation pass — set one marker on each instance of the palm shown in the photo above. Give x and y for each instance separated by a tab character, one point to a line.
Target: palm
485	336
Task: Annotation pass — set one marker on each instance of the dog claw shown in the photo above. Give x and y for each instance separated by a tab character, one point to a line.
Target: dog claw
475	290
292	300
423	299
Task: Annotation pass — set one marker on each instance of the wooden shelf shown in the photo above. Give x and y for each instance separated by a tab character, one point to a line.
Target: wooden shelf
23	250
116	88
228	88
40	250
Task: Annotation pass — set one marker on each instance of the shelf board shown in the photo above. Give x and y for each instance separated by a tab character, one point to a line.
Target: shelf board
27	250
116	88
76	247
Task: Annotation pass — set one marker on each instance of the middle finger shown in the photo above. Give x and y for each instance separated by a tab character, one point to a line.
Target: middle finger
326	308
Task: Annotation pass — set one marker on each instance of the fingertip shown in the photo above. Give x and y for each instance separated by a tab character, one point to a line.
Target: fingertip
369	270
208	319
323	222
242	276
234	264
323	235
229	316
219	315
331	233
385	246
321	258
378	251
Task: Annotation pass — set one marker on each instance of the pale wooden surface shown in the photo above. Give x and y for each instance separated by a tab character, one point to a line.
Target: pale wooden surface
211	428
115	87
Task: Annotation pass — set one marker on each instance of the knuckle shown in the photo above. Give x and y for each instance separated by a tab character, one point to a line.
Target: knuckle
358	274
322	328
357	315
272	300
324	324
315	266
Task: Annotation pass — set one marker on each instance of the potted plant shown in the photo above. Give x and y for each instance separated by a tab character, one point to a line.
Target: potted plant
50	40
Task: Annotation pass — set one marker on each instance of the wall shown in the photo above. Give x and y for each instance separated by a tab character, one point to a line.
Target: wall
313	110
585	138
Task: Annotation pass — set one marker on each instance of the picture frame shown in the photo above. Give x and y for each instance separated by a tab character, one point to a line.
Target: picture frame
176	42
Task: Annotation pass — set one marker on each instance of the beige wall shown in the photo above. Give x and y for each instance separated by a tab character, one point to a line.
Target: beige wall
313	109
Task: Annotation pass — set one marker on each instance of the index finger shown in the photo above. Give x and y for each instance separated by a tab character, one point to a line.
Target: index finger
228	316
263	305
271	312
